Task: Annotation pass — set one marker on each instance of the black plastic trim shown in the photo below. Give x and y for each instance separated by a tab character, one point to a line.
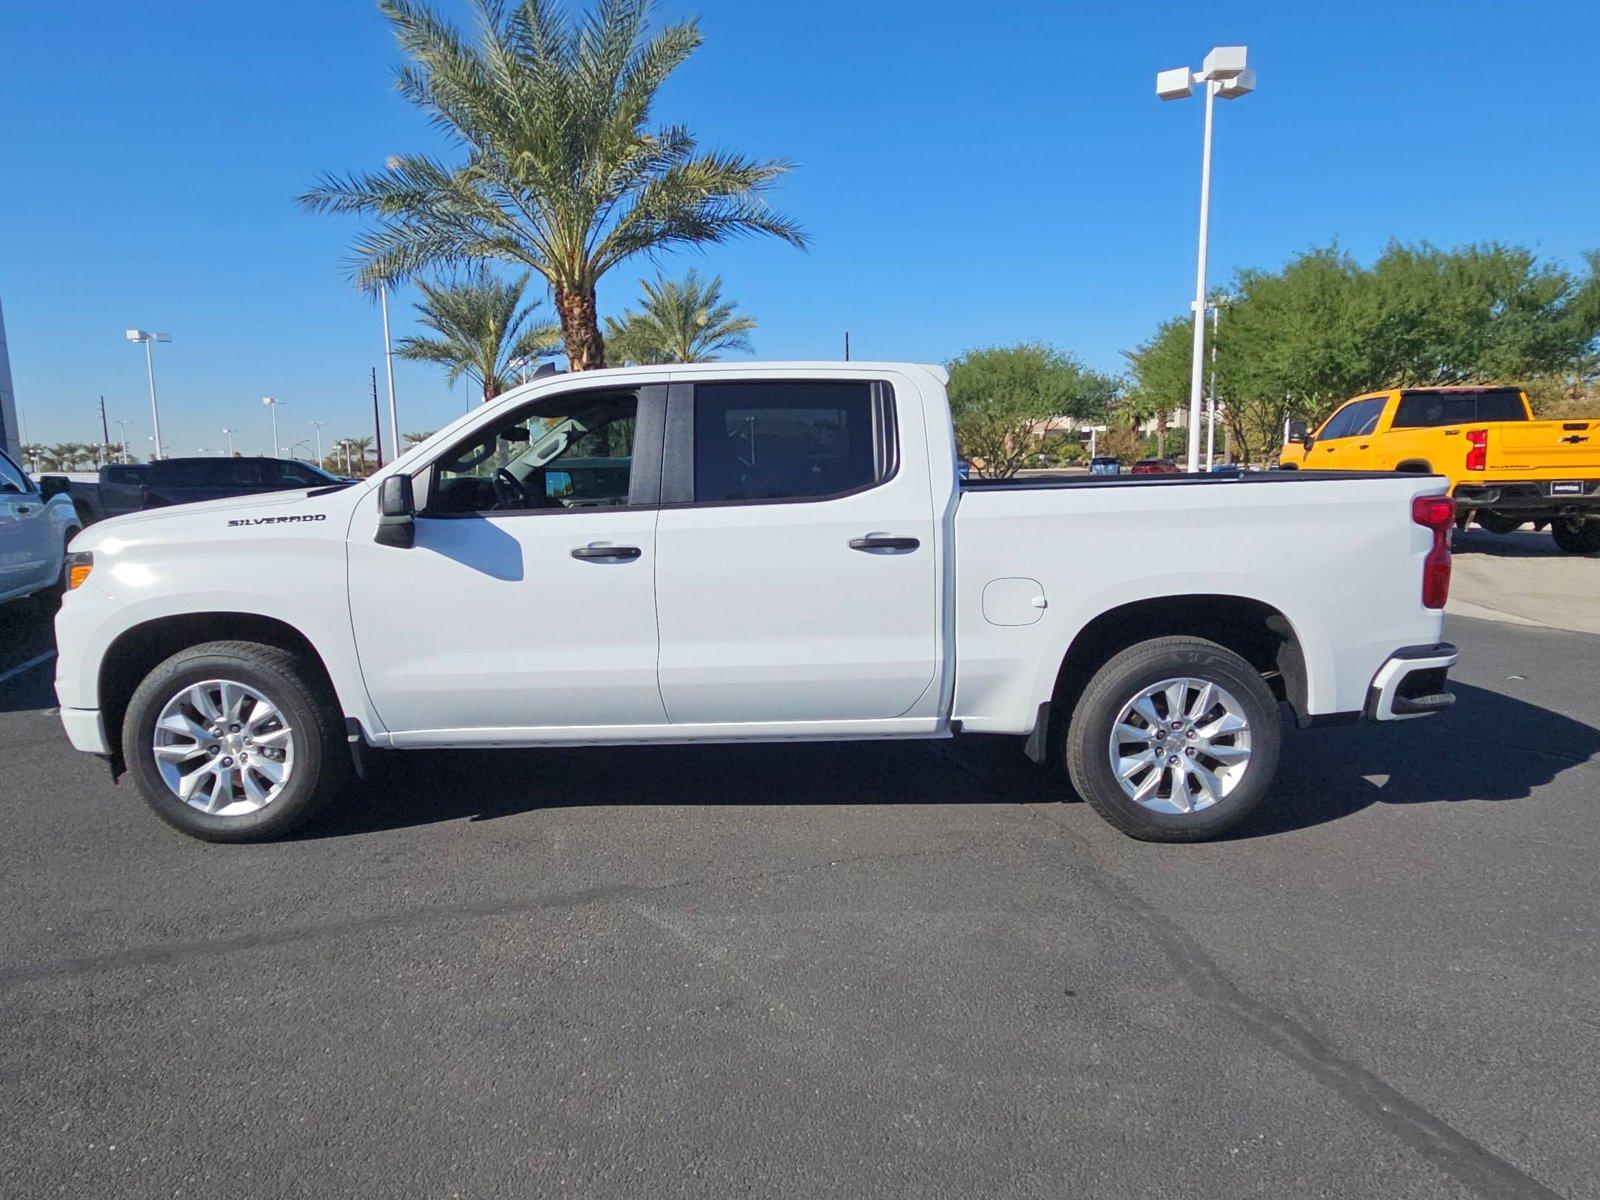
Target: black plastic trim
1179	480
1330	720
1037	747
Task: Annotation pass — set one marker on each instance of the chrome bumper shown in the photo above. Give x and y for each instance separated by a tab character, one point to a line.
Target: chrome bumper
1411	683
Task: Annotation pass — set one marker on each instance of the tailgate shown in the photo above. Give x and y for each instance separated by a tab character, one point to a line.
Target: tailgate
1544	449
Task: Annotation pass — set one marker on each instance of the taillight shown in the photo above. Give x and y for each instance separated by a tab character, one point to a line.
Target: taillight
1477	449
1437	513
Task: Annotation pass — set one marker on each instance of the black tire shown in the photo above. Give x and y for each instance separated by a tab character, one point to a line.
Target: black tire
321	758
1496	522
1576	537
1117	683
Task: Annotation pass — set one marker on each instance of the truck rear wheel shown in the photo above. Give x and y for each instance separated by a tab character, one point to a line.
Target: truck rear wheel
1174	740
1575	535
233	742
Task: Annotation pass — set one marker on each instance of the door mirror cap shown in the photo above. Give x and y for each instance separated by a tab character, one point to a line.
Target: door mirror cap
1297	432
397	511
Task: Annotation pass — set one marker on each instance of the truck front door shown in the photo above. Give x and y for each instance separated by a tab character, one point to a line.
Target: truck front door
796	564
527	602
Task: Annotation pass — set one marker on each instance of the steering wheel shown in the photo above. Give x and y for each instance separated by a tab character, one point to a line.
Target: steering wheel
508	490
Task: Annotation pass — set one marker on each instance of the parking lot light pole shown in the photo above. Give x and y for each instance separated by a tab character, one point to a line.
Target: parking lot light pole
319	425
273	405
228	433
1223	74
142	335
1211	403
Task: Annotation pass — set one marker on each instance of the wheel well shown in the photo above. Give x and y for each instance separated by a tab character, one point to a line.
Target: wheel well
1415	466
139	650
1257	632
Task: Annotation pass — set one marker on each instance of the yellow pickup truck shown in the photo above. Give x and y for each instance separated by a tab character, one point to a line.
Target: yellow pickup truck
1505	468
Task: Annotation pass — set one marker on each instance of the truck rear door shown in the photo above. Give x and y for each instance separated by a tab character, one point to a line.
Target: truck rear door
796	563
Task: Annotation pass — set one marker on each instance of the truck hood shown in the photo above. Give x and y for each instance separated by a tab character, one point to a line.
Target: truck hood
208	516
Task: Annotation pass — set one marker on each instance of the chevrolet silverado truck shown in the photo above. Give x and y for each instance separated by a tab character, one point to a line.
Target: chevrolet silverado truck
749	552
1504	468
35	528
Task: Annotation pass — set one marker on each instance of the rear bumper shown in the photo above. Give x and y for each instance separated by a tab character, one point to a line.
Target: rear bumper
1412	683
86	730
1536	495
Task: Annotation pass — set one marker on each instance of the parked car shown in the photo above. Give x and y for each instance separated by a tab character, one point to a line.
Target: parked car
132	487
1504	468
1155	466
757	552
35	527
1104	464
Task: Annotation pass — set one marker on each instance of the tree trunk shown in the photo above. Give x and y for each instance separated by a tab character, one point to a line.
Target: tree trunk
580	328
1161	434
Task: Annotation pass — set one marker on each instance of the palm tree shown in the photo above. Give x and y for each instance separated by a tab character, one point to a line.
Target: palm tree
359	449
483	330
416	439
685	322
561	172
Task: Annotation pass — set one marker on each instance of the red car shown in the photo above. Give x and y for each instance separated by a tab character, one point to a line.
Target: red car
1155	466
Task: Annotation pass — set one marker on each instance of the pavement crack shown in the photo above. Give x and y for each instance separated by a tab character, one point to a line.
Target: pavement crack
1447	1148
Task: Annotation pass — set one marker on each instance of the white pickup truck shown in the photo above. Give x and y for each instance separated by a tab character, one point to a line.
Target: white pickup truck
748	552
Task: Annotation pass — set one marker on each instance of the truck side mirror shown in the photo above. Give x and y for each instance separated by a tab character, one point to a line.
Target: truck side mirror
1297	432
397	511
53	485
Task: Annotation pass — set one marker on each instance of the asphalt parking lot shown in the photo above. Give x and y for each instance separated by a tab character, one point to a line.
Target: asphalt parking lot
878	969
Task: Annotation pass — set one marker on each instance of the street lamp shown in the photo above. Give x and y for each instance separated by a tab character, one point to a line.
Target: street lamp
228	433
393	164
122	425
202	449
319	425
1222	74
141	335
273	405
1217	303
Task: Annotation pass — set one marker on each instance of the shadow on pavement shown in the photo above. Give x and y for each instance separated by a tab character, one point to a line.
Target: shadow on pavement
1520	543
1489	747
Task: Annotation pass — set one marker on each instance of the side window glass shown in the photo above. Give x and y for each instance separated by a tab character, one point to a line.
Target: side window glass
786	441
11	476
572	451
1338	425
1366	419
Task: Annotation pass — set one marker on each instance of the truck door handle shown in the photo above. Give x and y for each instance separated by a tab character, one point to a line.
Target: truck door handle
879	541
607	553
23	510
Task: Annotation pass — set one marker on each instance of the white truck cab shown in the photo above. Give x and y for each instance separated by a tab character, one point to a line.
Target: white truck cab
743	551
34	531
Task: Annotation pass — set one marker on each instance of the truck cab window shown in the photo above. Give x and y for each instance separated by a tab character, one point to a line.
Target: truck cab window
789	441
572	451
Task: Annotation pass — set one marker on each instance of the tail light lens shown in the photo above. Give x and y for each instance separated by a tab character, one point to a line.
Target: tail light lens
1438	514
1477	449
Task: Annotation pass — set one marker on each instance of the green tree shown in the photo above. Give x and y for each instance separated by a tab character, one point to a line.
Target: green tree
1298	341
678	322
482	330
1001	396
416	439
560	170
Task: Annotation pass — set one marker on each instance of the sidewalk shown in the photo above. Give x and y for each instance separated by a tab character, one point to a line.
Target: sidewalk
1522	579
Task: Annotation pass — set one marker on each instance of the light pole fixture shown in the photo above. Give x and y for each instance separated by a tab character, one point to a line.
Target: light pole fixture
204	450
392	163
145	336
228	433
1223	74
122	426
1217	303
273	405
319	425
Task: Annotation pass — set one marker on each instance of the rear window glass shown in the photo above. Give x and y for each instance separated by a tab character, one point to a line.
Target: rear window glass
1425	410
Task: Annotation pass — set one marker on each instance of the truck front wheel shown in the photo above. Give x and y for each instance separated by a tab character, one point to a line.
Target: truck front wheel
1574	535
233	742
1174	740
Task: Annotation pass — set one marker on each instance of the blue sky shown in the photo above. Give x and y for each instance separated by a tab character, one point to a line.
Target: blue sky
969	174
